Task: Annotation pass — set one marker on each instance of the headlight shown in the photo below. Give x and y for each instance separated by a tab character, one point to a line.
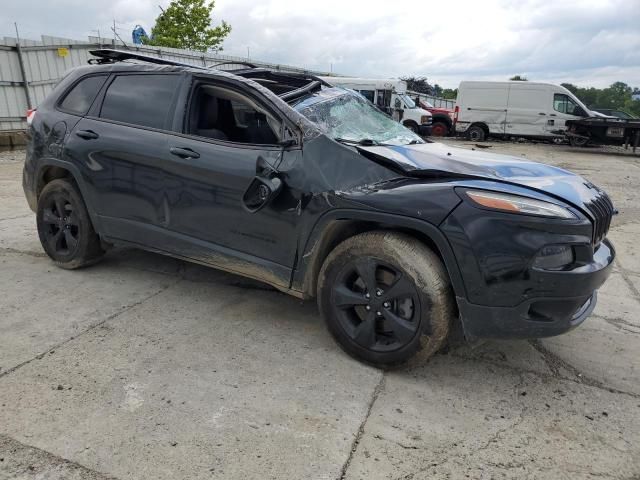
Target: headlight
517	204
425	119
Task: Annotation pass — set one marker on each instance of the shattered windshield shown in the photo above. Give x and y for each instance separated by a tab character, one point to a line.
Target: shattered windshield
350	117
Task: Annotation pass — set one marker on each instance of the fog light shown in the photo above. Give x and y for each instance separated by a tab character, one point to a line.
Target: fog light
554	257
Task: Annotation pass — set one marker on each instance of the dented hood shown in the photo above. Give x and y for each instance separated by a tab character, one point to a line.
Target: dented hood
438	159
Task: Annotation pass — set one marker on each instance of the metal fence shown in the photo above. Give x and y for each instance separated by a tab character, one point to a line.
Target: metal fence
29	69
435	101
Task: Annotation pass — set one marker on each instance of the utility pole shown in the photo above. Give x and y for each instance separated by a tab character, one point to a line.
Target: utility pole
99	37
23	71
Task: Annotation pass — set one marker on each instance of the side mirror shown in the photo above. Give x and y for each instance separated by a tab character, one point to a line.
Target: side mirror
261	191
264	187
579	112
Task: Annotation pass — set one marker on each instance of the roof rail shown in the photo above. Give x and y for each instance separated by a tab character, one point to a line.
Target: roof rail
231	62
106	55
308	88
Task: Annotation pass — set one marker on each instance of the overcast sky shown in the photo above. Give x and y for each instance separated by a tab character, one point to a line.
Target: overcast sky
585	42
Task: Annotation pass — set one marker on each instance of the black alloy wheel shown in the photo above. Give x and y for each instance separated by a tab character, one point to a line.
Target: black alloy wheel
377	305
62	228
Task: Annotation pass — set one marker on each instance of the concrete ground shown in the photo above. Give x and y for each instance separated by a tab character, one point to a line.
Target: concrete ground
146	367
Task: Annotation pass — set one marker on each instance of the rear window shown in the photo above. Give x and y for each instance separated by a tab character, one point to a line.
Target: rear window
80	98
143	100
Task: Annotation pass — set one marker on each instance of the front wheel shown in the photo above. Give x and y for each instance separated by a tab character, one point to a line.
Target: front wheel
385	298
411	125
64	226
439	129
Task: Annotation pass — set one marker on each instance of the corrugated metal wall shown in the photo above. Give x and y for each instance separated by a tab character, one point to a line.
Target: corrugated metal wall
45	66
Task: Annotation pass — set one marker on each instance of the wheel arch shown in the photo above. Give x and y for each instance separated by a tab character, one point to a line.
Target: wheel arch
441	117
51	169
336	226
408	122
482	125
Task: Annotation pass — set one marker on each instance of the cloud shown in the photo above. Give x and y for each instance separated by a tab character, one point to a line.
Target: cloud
586	42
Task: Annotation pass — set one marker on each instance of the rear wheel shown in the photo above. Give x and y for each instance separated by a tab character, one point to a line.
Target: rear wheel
64	226
476	133
385	298
439	129
578	141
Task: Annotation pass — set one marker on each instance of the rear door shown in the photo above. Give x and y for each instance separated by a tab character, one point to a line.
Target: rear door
528	110
121	148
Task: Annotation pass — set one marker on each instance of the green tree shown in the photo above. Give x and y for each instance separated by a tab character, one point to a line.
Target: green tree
187	24
450	93
519	78
418	84
571	87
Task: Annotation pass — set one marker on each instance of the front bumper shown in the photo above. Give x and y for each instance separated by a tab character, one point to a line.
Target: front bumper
424	130
543	316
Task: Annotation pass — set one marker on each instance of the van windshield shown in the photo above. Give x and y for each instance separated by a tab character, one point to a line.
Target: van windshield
349	117
407	100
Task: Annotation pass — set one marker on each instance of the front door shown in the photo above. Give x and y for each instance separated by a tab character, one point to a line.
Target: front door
226	134
563	108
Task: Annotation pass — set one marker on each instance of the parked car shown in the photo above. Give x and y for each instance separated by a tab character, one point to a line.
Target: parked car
391	97
609	112
522	109
311	189
442	118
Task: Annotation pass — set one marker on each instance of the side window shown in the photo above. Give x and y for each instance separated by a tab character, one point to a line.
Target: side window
368	94
143	100
225	114
80	98
563	104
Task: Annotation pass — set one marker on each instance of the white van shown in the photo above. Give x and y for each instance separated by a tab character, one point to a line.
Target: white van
523	109
390	96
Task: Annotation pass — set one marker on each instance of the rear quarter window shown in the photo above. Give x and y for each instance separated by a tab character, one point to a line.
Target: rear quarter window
81	96
143	100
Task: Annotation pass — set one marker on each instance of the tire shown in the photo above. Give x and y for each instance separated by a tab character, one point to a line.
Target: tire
578	142
476	133
410	321
411	125
439	129
64	227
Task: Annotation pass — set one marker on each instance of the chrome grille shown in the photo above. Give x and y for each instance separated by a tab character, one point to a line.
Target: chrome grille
602	210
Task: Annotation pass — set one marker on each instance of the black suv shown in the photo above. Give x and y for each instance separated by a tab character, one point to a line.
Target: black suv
283	178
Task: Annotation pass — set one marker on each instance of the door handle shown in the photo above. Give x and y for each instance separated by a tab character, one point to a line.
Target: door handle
87	134
552	115
184	152
542	113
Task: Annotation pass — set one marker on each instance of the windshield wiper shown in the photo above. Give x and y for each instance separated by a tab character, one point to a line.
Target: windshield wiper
365	142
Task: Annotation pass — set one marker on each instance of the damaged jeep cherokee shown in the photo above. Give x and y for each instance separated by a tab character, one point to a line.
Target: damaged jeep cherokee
286	179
